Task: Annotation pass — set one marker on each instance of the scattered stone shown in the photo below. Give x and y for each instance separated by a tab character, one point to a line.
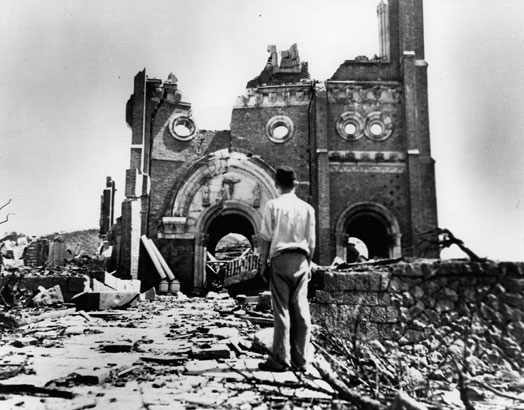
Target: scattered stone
25	341
264	301
118	347
74	330
91	376
165	359
105	300
218	351
48	297
263	341
198	367
224	332
148	295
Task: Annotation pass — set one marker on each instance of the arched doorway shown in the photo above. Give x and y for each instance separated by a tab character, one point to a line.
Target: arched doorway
374	225
224	192
373	232
223	225
236	234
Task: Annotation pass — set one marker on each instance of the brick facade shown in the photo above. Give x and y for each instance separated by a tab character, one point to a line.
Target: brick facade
359	143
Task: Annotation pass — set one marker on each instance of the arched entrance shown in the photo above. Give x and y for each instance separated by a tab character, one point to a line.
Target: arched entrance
231	224
374	225
224	192
223	225
372	231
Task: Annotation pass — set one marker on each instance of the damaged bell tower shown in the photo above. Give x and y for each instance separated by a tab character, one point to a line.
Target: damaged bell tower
358	141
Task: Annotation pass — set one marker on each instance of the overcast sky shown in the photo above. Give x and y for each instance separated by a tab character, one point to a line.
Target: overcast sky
67	70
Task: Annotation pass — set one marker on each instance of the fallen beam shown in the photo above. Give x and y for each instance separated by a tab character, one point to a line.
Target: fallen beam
153	257
169	273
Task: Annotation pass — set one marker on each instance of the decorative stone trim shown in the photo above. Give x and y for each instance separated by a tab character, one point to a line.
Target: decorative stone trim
367	156
368	94
389	168
182	128
174	225
275	96
280	129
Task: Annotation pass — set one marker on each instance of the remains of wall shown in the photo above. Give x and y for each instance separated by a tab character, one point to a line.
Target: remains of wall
428	304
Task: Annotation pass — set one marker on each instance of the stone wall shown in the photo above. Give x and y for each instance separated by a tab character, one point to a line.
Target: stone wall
432	303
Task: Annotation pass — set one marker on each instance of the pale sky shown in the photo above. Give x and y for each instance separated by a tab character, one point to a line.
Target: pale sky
67	70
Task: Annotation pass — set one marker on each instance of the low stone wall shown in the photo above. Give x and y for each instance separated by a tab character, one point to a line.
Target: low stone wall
430	301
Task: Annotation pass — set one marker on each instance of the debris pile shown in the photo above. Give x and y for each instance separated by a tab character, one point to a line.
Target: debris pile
204	352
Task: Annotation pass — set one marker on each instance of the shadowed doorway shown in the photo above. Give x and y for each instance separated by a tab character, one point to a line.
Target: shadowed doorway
373	232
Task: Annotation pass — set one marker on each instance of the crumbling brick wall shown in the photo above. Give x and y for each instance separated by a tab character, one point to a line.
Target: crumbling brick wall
430	302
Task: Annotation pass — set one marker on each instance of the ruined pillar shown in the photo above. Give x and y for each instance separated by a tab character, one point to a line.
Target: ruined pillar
107	207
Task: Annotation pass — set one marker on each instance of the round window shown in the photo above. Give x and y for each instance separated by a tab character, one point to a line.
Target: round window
376	129
182	128
379	126
350	125
279	129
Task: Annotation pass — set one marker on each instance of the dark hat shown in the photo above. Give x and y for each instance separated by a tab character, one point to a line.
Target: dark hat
285	176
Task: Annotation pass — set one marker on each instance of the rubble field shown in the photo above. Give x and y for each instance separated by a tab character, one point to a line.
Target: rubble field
76	337
200	353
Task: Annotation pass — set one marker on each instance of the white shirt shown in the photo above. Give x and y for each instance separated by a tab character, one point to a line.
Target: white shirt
288	223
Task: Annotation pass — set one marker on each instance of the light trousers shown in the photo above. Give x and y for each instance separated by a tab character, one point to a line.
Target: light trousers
292	320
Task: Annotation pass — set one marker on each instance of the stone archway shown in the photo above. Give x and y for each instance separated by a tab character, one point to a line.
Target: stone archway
226	186
372	223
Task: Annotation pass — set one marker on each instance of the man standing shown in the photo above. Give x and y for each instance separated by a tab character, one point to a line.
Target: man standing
288	241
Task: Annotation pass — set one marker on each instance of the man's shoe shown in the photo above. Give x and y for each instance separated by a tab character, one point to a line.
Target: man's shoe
305	369
272	367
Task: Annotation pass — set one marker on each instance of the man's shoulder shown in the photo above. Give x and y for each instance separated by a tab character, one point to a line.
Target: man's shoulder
305	204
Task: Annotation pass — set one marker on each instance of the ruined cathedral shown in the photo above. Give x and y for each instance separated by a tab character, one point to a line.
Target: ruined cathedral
358	141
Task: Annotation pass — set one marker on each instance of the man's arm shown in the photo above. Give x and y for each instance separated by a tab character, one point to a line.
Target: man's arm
312	234
264	251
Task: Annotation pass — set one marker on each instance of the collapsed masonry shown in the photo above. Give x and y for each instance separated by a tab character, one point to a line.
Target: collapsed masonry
358	141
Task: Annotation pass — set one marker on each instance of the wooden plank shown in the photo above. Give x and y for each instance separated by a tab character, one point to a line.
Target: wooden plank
169	273
153	257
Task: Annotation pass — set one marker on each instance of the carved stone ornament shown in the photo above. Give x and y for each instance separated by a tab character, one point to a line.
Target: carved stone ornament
206	196
256	196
